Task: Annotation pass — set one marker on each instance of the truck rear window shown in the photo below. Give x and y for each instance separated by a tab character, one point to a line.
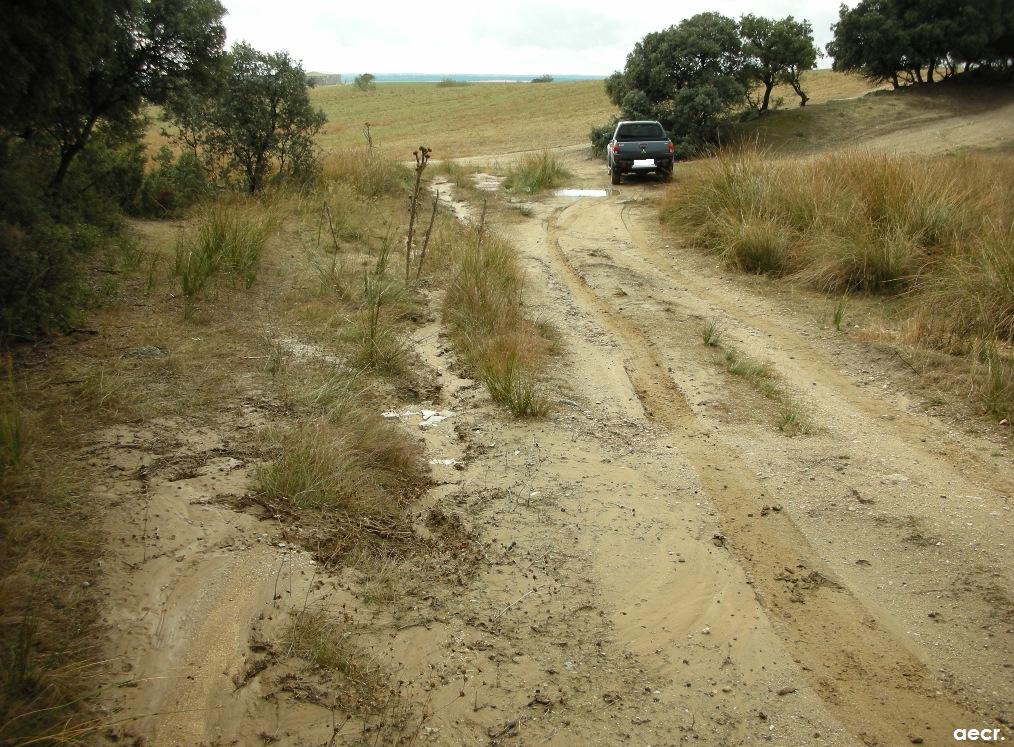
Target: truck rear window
640	131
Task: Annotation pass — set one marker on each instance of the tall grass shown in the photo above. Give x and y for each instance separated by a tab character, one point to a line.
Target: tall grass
228	238
367	171
343	457
938	234
535	172
12	437
483	306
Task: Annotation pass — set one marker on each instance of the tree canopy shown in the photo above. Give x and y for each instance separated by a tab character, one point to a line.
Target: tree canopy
256	122
904	41
777	51
77	74
695	75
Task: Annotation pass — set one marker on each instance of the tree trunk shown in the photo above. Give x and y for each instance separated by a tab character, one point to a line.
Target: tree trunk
895	82
929	71
768	85
918	74
68	154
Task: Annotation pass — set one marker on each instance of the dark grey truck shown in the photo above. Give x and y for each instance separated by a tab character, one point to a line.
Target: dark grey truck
637	148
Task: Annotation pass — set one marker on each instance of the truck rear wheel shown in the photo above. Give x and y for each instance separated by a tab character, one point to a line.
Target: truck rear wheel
666	174
615	176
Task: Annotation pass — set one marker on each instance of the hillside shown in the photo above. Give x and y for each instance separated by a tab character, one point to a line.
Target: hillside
928	120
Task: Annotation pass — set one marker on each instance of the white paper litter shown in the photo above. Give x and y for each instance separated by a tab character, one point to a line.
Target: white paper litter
428	418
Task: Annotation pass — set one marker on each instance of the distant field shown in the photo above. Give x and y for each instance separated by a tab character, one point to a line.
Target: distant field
469	120
491	118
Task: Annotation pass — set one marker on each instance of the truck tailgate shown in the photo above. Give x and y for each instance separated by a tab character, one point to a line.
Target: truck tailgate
650	149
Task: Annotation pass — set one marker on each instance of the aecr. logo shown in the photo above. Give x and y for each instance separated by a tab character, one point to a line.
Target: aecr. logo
978	735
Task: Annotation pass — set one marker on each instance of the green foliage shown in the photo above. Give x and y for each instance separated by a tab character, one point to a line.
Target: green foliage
257	123
901	41
777	51
600	136
689	77
543	79
75	77
134	51
173	185
365	82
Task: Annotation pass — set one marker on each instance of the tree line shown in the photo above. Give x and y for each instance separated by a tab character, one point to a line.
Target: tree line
79	78
708	70
909	41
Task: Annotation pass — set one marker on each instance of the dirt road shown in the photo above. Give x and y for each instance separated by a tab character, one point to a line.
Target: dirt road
661	564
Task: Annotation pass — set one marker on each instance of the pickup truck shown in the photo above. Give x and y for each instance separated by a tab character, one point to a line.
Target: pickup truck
639	147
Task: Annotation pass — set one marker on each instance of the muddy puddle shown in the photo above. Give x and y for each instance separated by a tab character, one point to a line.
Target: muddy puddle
573	192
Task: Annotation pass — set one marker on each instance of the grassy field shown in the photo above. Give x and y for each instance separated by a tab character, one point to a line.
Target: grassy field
466	120
490	118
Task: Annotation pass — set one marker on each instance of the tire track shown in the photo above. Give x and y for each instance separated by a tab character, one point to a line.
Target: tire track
867	677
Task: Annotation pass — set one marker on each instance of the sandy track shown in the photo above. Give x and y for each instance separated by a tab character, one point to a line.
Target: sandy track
662	565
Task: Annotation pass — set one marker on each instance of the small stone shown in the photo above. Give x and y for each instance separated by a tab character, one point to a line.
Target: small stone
147	351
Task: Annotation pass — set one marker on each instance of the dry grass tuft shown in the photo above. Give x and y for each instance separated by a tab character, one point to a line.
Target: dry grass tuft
357	464
484	310
366	171
326	645
937	234
535	172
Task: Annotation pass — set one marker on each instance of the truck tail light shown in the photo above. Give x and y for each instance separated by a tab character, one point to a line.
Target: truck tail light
616	147
671	148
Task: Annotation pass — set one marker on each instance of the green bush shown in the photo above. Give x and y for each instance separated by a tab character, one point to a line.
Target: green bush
173	185
227	239
600	137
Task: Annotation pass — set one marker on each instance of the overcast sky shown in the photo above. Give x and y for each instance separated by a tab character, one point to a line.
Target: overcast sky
525	38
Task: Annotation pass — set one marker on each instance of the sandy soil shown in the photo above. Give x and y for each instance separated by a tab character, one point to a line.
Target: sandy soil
660	564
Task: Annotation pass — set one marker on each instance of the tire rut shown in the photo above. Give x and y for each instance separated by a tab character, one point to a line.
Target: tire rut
817	366
866	676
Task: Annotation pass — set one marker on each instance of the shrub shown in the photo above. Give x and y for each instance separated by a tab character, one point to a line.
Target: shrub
173	185
600	137
535	172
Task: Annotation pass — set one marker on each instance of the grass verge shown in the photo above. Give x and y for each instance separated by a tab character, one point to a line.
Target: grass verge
483	307
936	235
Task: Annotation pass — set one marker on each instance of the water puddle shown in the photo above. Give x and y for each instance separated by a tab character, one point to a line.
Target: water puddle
568	192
